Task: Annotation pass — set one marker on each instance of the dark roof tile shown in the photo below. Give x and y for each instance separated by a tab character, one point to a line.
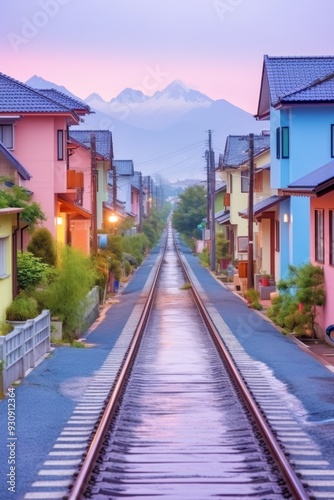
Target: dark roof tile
17	97
104	146
300	79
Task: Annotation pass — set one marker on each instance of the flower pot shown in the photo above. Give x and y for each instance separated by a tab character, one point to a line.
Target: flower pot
265	281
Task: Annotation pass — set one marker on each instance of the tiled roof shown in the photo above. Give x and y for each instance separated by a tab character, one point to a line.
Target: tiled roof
263	205
237	150
67	101
146	181
103	140
124	167
222	217
135	182
17	97
13	161
313	183
296	79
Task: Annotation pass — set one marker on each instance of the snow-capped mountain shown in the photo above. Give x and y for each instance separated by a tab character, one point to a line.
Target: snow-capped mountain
161	110
177	91
165	133
128	96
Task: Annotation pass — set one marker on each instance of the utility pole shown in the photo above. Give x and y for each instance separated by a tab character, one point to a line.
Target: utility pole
140	225
114	189
148	203
250	265
212	205
208	190
93	191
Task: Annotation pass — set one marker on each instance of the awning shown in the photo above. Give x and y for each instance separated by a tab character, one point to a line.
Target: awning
316	183
75	211
263	206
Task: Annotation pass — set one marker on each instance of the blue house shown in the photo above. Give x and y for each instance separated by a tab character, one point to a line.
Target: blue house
297	95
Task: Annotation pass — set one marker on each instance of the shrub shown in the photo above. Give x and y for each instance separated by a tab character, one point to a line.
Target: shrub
127	268
150	232
67	293
304	285
130	258
136	245
30	270
204	257
101	265
115	246
5	328
22	308
254	298
115	267
42	245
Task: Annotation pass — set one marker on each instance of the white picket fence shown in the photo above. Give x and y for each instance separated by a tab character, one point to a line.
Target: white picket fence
22	348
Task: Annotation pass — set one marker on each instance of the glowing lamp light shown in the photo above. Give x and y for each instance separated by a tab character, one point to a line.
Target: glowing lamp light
286	217
59	221
113	218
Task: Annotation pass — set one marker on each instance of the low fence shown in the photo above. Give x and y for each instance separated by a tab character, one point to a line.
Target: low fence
92	310
22	348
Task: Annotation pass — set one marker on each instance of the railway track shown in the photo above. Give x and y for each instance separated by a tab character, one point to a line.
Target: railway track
183	428
179	423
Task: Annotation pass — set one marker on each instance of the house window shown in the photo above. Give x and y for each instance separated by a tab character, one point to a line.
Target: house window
278	143
244	181
60	144
332	141
319	235
6	136
3	244
242	244
331	237
285	142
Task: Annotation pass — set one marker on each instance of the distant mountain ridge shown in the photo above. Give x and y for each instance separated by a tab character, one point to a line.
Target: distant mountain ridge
165	133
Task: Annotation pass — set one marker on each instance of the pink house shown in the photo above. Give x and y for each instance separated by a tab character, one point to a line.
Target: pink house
81	160
34	127
319	186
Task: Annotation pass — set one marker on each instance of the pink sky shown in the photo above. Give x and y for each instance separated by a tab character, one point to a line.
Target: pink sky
214	46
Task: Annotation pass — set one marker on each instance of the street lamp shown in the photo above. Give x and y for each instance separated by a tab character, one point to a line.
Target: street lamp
113	220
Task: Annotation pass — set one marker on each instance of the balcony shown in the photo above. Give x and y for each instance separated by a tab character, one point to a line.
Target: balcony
227	200
75	179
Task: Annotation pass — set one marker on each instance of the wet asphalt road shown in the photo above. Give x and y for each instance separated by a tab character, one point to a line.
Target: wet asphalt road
46	398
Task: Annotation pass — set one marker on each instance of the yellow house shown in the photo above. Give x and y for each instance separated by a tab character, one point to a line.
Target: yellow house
9	223
233	168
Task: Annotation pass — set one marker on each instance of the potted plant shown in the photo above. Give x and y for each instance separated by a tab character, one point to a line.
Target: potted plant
265	278
21	309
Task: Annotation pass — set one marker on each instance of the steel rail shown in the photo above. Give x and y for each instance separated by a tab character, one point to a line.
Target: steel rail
81	482
293	482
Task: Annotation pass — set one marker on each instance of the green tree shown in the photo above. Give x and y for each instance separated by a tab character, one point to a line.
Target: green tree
19	197
30	270
190	210
42	245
